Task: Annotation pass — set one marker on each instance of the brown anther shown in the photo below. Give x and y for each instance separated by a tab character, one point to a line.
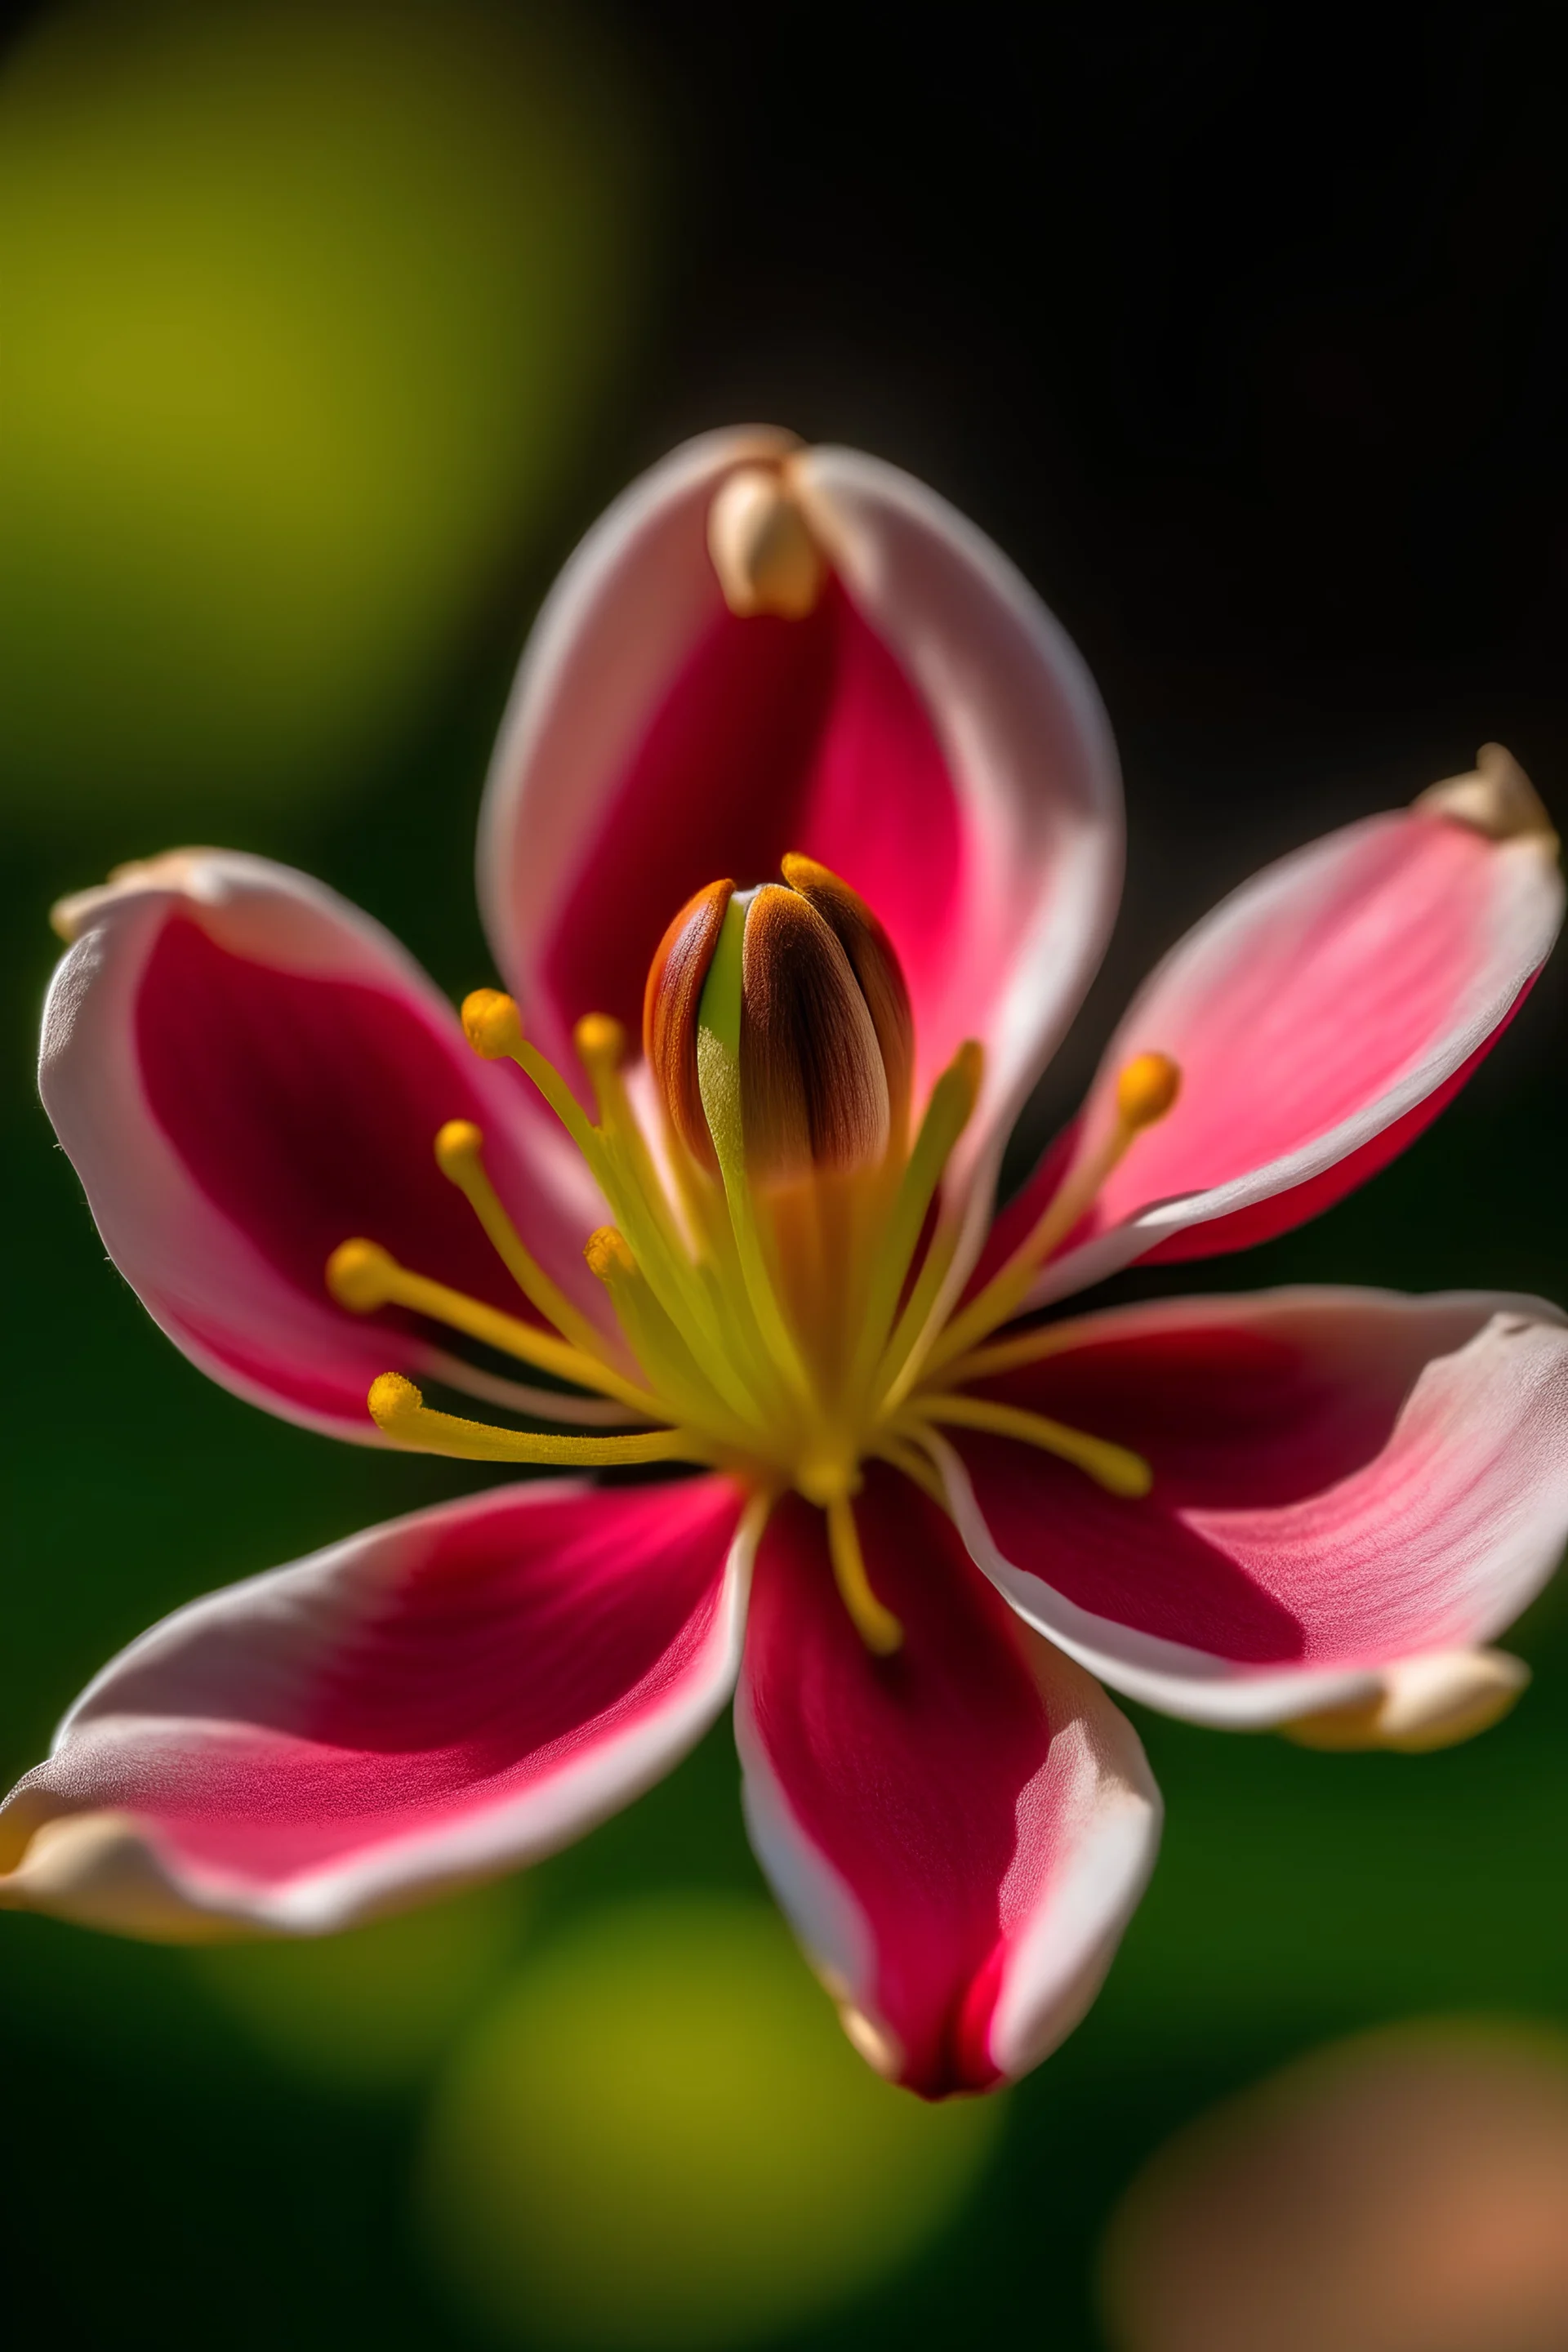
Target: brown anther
874	961
670	1005
813	1087
761	546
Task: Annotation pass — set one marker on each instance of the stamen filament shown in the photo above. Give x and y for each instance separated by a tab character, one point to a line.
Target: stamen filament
1146	1091
401	1414
569	1408
656	1341
459	1149
906	1455
1008	1355
362	1276
493	1027
952	1100
1115	1468
876	1626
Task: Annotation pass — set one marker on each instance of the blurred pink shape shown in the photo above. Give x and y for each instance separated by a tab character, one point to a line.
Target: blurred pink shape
1404	2192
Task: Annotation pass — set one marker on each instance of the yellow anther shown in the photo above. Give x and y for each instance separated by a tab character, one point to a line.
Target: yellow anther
459	1155
493	1023
393	1403
601	1043
608	1255
876	1626
762	548
401	1414
362	1275
1146	1089
459	1146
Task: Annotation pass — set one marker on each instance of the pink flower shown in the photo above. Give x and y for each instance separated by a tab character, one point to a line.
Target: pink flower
920	1543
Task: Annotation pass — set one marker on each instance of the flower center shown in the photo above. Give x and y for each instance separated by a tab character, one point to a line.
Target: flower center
779	1263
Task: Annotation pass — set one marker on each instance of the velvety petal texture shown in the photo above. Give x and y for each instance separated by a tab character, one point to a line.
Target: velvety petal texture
1321	1017
960	1833
451	1695
246	1071
1343	1480
926	731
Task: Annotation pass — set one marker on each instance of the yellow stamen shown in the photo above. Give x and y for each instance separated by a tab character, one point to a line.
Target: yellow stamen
1007	1355
947	1113
493	1027
401	1414
459	1155
656	1341
362	1276
905	1455
876	1626
1146	1091
1115	1468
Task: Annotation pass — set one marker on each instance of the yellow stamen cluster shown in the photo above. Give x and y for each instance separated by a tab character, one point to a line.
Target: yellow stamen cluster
784	1326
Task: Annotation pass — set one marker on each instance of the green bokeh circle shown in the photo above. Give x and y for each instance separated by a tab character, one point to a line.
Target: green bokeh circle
661	2136
304	304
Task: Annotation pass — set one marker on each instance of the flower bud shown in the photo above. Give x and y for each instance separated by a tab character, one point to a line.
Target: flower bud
815	1019
813	1089
671	1004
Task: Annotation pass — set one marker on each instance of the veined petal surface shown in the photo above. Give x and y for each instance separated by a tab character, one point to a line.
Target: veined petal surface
449	1695
928	732
1321	1017
1343	1480
246	1071
959	1833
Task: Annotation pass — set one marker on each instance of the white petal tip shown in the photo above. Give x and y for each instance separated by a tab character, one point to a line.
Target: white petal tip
764	549
96	1869
173	869
1497	798
1425	1703
873	2042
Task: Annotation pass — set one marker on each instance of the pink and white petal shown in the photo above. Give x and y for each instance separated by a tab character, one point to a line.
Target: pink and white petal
246	1071
1343	1481
1321	1017
447	1697
928	731
958	1833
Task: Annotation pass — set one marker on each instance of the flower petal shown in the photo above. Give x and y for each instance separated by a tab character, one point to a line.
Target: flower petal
1342	1481
926	731
451	1695
1321	1017
246	1071
959	1833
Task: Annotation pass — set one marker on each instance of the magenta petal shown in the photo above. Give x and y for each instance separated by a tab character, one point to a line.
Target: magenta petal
958	1833
246	1071
449	1696
1343	1480
928	732
1321	1017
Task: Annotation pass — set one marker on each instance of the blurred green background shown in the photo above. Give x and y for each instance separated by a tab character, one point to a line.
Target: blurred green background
325	329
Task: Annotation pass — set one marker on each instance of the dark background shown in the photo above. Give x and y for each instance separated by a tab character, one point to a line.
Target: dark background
1244	336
